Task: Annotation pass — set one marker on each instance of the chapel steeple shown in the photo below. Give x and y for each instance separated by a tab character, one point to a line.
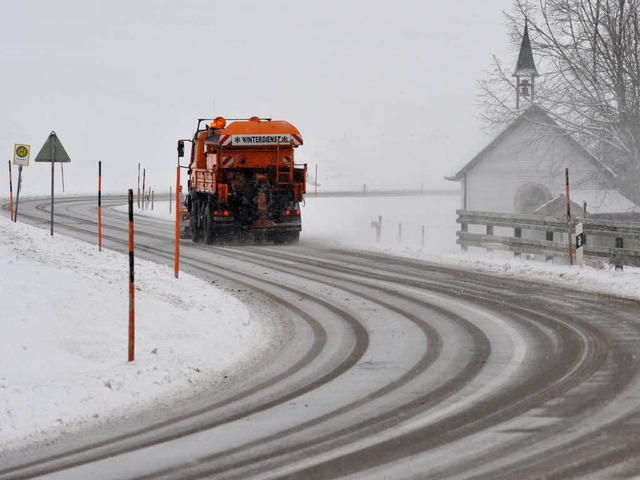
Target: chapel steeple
525	71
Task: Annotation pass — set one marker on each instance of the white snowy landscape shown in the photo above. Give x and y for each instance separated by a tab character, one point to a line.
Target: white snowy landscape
330	358
63	329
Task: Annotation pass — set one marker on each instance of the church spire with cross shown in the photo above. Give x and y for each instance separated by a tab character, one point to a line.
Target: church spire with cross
525	71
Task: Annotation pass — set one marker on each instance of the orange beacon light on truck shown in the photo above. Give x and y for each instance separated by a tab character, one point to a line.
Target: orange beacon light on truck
218	122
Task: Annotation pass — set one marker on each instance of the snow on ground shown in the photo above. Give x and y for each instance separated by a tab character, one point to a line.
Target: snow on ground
64	315
348	222
64	330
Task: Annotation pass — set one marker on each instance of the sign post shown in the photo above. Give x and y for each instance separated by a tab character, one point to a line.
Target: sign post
21	153
52	151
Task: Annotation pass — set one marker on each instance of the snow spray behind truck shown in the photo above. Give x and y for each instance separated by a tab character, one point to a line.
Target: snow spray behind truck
243	182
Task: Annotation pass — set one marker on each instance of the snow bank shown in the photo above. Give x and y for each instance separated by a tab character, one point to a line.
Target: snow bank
64	330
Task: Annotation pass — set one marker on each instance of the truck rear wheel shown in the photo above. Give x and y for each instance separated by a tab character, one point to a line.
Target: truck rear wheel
286	237
195	223
279	239
293	237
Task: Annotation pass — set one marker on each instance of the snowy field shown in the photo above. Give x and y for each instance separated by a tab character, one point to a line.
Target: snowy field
64	311
64	327
348	222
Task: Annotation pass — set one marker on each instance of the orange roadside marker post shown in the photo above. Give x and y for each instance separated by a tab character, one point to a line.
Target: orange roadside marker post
144	179
177	253
566	173
131	283
178	197
100	206
138	185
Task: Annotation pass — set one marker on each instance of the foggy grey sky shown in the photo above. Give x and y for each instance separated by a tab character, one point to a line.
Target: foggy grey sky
382	91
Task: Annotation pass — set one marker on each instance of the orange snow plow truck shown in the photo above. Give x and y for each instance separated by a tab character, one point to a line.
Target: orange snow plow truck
243	182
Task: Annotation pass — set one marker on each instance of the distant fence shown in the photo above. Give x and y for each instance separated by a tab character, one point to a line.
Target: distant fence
401	192
614	241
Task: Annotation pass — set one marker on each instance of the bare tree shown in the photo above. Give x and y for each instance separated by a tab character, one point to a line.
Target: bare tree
588	53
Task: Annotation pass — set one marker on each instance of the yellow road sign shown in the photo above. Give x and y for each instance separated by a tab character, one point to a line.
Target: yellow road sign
21	154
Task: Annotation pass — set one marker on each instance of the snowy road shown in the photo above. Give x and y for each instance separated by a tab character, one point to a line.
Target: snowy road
388	368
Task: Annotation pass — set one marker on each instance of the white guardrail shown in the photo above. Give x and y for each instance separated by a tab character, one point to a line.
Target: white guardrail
617	242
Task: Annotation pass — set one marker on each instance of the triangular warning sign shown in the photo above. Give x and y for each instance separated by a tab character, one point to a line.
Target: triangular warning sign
52	151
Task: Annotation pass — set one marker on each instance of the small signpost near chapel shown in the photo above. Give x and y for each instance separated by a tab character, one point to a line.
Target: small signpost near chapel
52	151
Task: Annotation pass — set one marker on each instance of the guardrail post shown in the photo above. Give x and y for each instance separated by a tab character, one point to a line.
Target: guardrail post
619	244
517	233
489	232
464	227
378	226
549	238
